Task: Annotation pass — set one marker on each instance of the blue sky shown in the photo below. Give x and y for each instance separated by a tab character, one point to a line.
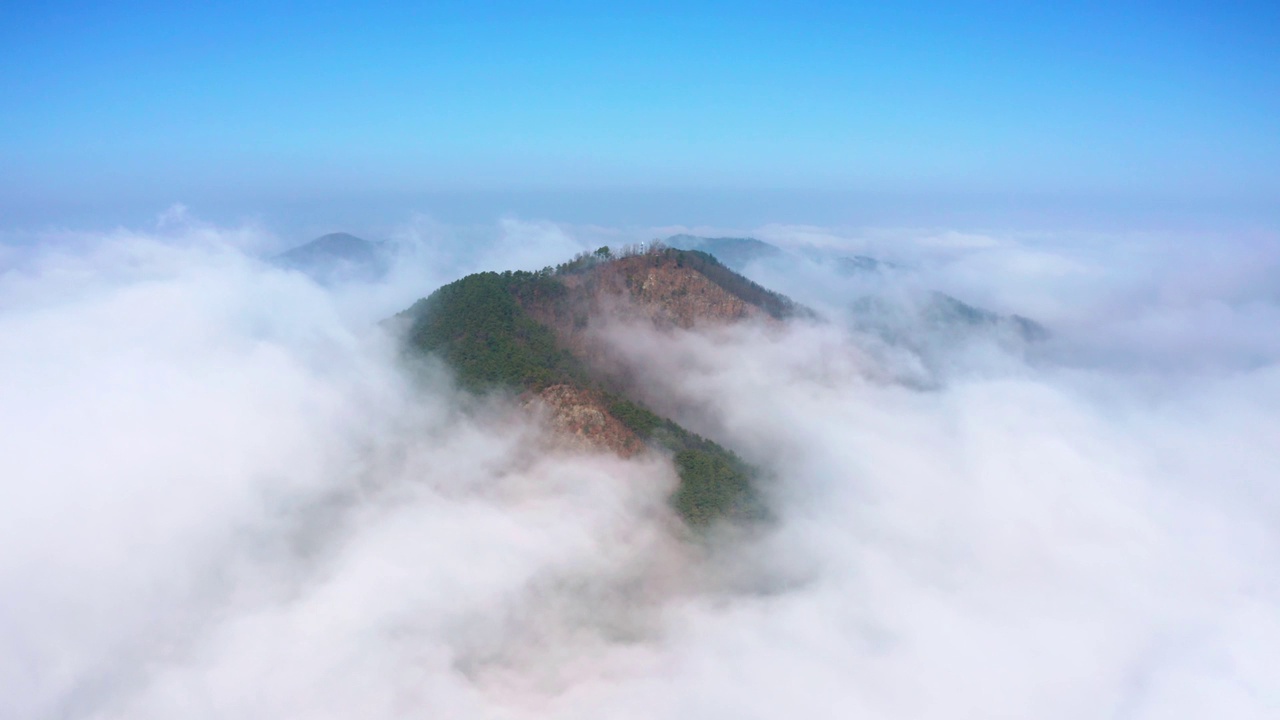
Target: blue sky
283	109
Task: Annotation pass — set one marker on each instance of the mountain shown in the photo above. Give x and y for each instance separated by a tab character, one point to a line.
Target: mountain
337	257
535	334
739	252
736	253
945	310
848	265
941	317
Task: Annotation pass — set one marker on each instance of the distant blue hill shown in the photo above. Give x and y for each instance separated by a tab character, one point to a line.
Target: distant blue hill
738	252
854	264
943	314
943	309
735	253
337	257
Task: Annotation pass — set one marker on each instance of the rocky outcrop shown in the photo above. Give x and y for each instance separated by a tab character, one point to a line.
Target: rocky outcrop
655	289
581	420
663	290
683	297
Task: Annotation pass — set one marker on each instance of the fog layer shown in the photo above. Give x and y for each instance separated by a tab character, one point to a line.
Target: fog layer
225	495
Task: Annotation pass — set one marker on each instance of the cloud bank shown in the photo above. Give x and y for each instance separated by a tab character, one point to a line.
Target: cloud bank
225	496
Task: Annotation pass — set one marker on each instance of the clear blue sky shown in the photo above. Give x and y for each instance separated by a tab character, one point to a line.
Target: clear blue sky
281	107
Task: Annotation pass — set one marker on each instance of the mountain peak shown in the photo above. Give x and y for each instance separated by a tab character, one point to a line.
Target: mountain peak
670	287
336	257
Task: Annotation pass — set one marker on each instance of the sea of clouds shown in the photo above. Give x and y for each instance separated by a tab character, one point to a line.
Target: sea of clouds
224	493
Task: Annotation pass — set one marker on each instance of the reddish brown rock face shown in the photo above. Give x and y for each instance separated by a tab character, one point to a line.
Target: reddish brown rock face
581	419
657	289
644	288
685	297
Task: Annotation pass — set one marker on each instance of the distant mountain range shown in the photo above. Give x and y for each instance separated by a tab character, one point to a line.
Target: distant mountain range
341	257
939	318
739	252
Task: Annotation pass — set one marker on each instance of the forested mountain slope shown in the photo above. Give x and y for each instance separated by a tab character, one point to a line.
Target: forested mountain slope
530	333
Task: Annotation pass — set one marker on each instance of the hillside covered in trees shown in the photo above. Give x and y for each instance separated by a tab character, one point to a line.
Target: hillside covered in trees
528	333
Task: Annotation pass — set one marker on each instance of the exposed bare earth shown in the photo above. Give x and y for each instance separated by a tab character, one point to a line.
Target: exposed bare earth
581	419
657	289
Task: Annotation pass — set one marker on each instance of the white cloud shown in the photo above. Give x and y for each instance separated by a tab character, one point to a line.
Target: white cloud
1045	544
953	240
222	498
